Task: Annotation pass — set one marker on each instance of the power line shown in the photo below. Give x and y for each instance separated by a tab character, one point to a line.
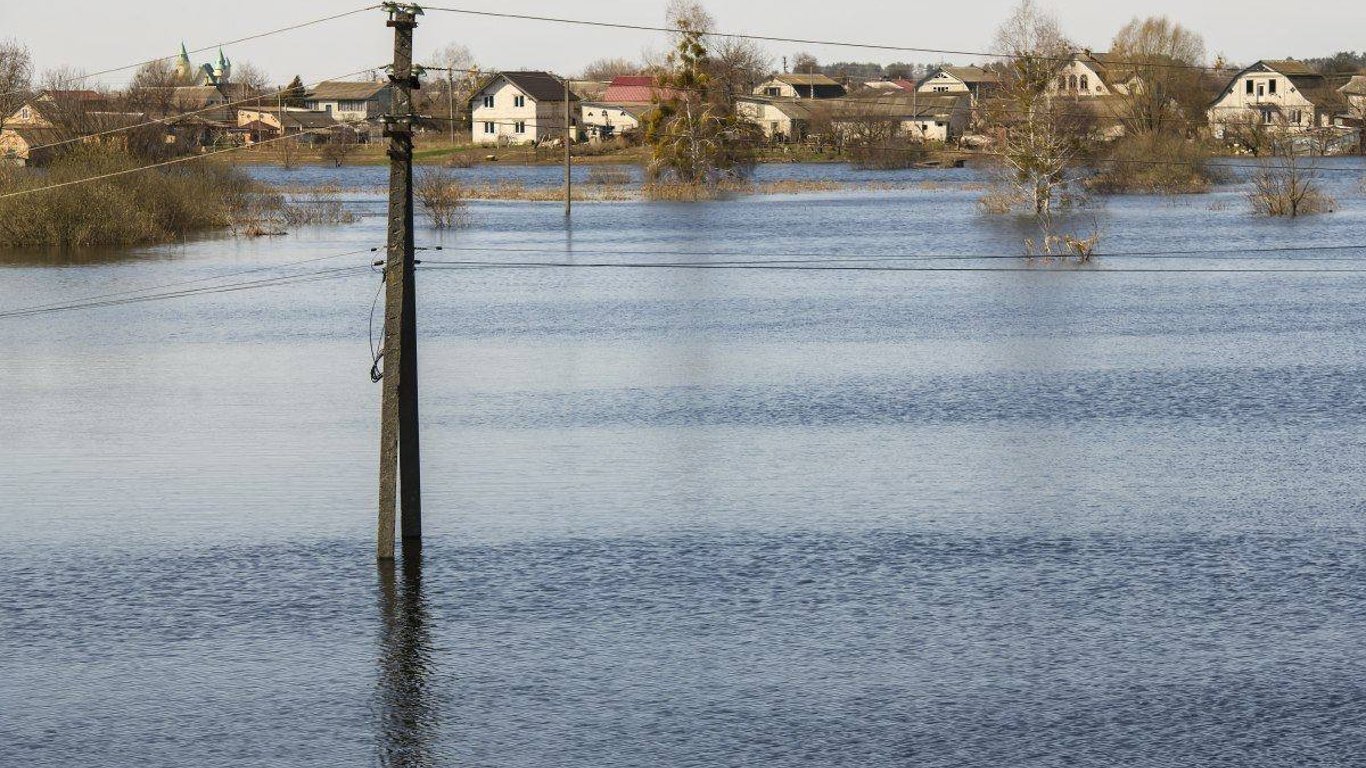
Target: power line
1064	260
818	258
181	284
271	282
807	41
248	38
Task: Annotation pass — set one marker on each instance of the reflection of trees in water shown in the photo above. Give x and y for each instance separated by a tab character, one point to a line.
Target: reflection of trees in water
407	709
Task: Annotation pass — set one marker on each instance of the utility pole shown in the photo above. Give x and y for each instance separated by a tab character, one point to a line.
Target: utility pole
399	460
568	158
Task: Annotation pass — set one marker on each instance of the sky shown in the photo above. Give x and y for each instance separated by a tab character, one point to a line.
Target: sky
93	35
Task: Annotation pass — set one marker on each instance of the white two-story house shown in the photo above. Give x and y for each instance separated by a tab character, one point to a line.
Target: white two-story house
1283	94
971	80
1091	75
521	108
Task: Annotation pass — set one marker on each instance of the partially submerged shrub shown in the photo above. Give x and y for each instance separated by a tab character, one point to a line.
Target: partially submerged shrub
1288	184
605	176
890	155
137	208
1157	164
441	198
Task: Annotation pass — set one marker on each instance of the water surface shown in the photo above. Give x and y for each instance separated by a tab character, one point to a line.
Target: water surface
701	517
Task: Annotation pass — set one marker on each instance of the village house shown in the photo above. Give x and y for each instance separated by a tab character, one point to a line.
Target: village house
892	85
38	128
795	86
1285	94
1092	75
781	120
622	107
350	102
1354	95
975	81
919	117
265	123
520	108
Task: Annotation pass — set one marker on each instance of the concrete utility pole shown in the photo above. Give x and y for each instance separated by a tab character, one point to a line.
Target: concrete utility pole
568	158
398	452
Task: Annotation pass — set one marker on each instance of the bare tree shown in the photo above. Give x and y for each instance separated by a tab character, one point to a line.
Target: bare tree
340	145
16	76
252	78
153	88
606	69
1168	91
452	92
1041	137
738	65
805	63
1288	184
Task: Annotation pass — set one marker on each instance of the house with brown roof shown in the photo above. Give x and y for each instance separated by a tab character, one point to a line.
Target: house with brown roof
974	81
1285	94
800	86
349	102
521	108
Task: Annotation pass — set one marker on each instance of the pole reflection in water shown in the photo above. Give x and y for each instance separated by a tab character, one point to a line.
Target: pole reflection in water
407	710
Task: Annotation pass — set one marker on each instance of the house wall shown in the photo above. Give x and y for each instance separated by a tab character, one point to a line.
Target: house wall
1083	73
944	83
498	124
595	117
349	110
29	117
771	120
1287	107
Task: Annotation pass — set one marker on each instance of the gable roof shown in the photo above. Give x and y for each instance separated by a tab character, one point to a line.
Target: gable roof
793	78
1354	87
632	89
1290	67
343	90
972	75
540	86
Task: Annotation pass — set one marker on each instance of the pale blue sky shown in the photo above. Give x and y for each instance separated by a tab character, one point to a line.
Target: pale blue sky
98	34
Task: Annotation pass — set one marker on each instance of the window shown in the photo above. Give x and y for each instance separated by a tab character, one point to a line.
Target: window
941	89
1261	90
774	92
519	101
519	127
488	102
1072	83
1271	86
1062	83
1250	86
1085	83
490	128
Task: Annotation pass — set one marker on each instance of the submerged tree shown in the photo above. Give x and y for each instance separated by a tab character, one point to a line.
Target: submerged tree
1041	136
693	131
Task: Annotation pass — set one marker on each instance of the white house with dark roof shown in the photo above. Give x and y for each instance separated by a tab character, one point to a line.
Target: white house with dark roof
520	108
1285	94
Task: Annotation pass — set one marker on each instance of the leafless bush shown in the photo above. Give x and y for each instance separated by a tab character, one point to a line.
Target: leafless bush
1288	185
442	199
606	176
340	145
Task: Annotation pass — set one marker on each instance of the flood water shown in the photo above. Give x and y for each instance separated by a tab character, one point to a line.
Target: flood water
985	517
